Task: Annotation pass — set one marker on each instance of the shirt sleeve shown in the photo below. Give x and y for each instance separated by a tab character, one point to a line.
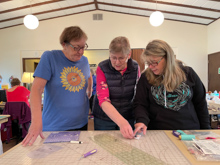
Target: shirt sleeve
141	101
43	69
139	72
199	101
101	87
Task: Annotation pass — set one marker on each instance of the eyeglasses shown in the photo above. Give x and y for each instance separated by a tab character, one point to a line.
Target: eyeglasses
78	48
154	63
120	59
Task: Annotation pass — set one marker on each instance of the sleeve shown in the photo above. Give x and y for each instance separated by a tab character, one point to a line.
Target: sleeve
43	69
199	101
139	72
94	80
141	101
101	87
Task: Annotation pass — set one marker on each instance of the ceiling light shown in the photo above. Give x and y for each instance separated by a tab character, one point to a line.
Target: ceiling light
31	21
156	18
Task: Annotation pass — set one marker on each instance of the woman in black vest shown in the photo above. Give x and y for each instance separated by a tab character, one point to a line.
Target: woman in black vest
116	82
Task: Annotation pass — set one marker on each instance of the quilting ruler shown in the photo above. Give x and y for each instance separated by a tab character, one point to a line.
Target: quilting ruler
126	153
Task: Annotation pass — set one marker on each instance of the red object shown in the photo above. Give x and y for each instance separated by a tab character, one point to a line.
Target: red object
210	138
20	94
4	134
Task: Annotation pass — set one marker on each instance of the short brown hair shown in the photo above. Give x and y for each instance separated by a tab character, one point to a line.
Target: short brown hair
72	33
15	81
120	45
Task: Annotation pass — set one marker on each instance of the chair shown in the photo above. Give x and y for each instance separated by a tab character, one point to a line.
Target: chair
18	111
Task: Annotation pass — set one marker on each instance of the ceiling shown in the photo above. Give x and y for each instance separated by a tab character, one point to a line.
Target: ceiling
202	12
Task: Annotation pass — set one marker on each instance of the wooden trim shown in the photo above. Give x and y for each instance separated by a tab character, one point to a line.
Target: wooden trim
148	16
49	18
49	11
23	63
181	5
213	76
214	21
4	1
96	5
28	6
163	11
214	0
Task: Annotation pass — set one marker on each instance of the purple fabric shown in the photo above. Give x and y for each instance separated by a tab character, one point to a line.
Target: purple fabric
20	111
63	137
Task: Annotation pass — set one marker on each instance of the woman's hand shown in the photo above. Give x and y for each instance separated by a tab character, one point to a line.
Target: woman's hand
140	127
126	130
34	130
89	94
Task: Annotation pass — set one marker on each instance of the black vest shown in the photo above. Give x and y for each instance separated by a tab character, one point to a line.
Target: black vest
121	89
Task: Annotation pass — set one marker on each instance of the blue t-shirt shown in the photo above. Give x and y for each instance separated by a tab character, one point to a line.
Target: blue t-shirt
66	105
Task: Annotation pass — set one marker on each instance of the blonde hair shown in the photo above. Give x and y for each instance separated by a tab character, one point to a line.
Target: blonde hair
120	45
173	75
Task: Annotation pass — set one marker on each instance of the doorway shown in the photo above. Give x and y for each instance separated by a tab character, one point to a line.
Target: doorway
213	72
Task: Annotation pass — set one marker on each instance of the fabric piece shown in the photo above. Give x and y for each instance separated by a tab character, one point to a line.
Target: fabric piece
20	111
63	137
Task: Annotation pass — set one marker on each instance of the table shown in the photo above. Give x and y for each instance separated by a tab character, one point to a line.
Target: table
214	108
156	147
2	104
214	111
3	119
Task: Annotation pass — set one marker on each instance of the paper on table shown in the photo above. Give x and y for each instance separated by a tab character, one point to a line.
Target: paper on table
208	146
63	137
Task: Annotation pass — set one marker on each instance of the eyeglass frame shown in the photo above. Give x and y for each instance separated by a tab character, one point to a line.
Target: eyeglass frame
120	59
154	63
78	48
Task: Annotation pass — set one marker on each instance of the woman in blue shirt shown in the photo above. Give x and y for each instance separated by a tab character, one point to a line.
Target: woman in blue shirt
64	76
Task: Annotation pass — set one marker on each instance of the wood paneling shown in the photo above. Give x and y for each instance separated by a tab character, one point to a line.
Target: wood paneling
213	76
136	55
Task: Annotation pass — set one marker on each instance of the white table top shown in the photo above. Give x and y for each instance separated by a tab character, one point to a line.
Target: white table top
153	148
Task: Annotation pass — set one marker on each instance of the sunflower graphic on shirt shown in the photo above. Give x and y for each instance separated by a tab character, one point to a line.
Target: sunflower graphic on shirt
72	79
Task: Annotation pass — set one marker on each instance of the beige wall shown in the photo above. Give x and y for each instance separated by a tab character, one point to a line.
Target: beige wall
188	40
214	37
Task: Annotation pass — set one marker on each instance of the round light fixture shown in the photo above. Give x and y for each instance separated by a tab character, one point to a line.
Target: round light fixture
31	21
156	18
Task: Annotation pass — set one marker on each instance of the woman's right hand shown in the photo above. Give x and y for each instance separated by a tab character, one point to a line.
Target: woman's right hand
34	130
140	127
126	129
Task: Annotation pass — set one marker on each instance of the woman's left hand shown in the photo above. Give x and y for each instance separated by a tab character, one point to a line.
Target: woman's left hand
89	94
